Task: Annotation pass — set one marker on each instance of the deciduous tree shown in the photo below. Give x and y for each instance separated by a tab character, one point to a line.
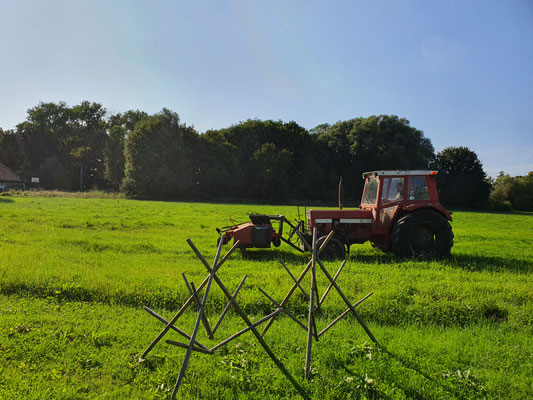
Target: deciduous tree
512	192
461	180
365	144
161	158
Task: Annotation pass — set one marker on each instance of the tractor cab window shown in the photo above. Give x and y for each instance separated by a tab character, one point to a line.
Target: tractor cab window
371	191
418	188
392	190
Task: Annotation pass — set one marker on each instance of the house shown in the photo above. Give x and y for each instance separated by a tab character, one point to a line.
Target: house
8	179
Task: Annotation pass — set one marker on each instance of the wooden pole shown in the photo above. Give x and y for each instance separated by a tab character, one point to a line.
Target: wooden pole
228	306
169	325
294	279
283	309
314	285
186	346
260	339
331	285
194	293
345	299
198	320
344	314
302	275
187	303
255	324
310	320
176	329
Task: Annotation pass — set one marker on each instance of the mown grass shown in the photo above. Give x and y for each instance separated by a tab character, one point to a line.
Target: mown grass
75	273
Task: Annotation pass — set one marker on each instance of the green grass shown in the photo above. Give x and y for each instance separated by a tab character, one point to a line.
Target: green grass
75	273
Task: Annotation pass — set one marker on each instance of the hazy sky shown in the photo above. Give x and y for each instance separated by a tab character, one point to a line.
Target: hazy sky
461	71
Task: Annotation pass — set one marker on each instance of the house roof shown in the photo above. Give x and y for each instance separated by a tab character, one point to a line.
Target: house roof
7	175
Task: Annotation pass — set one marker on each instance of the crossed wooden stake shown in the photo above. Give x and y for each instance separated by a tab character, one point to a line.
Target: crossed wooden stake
194	300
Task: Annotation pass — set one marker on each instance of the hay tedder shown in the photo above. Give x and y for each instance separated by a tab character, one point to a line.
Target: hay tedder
399	212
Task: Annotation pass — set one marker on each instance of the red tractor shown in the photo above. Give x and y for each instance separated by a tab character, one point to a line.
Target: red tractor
399	212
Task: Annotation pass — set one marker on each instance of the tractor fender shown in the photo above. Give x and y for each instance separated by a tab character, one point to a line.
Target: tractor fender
413	207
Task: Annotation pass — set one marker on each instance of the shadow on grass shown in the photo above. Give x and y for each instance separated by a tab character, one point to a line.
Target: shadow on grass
467	262
380	258
461	392
467	392
487	263
267	255
5	200
477	263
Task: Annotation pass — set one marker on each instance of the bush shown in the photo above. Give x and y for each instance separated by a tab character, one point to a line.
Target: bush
512	192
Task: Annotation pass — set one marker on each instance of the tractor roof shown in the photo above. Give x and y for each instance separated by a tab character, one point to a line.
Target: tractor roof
397	172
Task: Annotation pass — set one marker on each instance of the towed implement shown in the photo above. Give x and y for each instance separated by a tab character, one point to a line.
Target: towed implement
399	212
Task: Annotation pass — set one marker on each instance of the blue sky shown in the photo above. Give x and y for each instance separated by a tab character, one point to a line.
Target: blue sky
461	71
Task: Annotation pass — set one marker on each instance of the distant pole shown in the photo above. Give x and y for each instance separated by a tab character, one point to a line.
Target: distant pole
81	176
341	194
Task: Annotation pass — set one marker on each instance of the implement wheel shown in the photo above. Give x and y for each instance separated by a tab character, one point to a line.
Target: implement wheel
425	234
335	249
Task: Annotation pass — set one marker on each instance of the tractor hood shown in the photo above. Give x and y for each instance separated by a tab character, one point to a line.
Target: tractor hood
342	216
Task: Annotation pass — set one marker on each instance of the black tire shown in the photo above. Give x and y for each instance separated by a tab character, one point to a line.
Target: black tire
335	249
423	234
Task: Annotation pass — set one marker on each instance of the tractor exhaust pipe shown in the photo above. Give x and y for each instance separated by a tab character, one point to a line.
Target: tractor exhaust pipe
341	194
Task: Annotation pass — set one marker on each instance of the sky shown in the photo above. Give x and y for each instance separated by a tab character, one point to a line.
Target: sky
460	71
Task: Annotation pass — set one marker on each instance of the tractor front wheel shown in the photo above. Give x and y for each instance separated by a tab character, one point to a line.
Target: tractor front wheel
423	234
334	250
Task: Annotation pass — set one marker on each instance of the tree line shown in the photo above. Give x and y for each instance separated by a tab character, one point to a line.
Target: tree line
158	156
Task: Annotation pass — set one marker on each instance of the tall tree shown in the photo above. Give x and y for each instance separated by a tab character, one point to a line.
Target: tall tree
218	173
161	158
127	120
87	142
273	166
365	144
44	141
461	180
247	138
120	127
114	156
66	140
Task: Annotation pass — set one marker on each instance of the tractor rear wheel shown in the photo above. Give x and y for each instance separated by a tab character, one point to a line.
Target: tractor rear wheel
423	234
334	250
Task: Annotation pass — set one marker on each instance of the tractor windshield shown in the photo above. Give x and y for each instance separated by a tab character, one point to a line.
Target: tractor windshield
371	191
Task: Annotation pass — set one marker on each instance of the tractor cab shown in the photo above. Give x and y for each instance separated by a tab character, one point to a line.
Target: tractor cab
407	189
398	187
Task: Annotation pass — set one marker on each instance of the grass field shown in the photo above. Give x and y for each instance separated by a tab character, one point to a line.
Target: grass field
76	272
